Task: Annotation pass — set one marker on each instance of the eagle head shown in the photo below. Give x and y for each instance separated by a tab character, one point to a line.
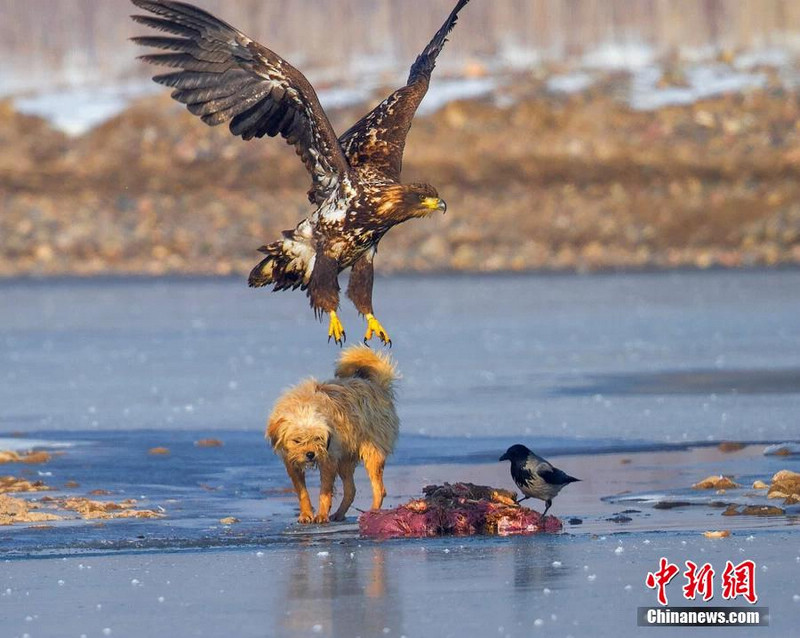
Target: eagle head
422	200
401	202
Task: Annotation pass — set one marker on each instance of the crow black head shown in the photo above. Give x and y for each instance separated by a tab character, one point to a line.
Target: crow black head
515	453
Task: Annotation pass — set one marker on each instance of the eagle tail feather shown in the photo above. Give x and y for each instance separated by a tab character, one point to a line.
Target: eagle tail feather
288	263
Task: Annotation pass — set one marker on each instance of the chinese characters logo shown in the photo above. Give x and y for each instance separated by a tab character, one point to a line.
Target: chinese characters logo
737	580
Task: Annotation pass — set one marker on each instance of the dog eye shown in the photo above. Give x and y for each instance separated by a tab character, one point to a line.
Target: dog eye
296	441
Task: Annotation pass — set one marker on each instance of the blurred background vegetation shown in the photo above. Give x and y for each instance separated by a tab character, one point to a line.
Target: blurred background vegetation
571	134
41	40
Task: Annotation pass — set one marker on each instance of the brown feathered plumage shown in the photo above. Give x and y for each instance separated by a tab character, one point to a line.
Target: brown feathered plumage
224	76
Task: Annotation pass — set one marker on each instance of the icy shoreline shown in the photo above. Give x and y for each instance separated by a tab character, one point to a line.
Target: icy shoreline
190	575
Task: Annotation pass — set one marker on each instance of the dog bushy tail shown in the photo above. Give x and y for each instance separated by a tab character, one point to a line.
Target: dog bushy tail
359	361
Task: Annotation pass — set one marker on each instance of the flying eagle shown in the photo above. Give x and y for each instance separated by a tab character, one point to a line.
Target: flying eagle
223	75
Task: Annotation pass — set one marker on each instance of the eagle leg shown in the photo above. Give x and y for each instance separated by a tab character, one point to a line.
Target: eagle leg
360	292
374	327
323	291
336	330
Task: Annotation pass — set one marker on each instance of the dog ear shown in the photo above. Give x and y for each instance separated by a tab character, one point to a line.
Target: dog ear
274	429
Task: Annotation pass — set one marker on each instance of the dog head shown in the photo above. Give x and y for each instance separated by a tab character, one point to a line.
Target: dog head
302	436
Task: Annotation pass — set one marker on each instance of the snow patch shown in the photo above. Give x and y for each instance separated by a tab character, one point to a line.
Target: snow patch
449	90
620	57
773	57
76	110
569	82
702	82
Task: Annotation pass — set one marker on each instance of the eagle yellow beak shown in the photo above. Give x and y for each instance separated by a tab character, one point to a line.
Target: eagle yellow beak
434	203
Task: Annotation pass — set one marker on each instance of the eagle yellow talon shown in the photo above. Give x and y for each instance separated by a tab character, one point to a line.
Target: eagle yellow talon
336	330
374	327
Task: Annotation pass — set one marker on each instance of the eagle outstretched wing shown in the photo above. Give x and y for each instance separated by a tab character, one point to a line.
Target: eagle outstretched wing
378	138
226	76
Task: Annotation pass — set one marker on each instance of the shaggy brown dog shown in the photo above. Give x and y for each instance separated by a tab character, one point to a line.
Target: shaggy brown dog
335	423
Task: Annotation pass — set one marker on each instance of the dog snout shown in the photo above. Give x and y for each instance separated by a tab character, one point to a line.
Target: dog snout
310	456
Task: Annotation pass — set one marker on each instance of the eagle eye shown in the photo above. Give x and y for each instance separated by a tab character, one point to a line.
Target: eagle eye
421	197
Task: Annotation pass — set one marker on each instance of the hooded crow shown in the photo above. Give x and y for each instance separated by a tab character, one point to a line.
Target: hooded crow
534	476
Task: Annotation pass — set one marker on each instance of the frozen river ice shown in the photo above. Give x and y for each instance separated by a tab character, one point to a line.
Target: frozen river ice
630	380
664	357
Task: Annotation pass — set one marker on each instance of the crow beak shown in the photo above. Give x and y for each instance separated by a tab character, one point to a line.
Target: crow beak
504	458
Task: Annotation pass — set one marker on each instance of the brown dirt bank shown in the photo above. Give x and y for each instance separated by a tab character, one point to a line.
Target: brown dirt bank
577	182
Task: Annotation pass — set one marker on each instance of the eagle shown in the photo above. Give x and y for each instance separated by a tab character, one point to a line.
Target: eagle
224	76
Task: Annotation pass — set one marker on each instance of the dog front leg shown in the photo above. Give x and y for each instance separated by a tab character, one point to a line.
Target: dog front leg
327	475
346	471
298	477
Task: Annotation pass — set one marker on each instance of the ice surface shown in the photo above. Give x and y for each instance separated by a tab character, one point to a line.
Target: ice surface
196	487
656	357
23	445
449	588
602	372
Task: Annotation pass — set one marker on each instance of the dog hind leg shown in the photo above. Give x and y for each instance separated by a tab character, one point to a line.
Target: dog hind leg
374	462
346	471
298	477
